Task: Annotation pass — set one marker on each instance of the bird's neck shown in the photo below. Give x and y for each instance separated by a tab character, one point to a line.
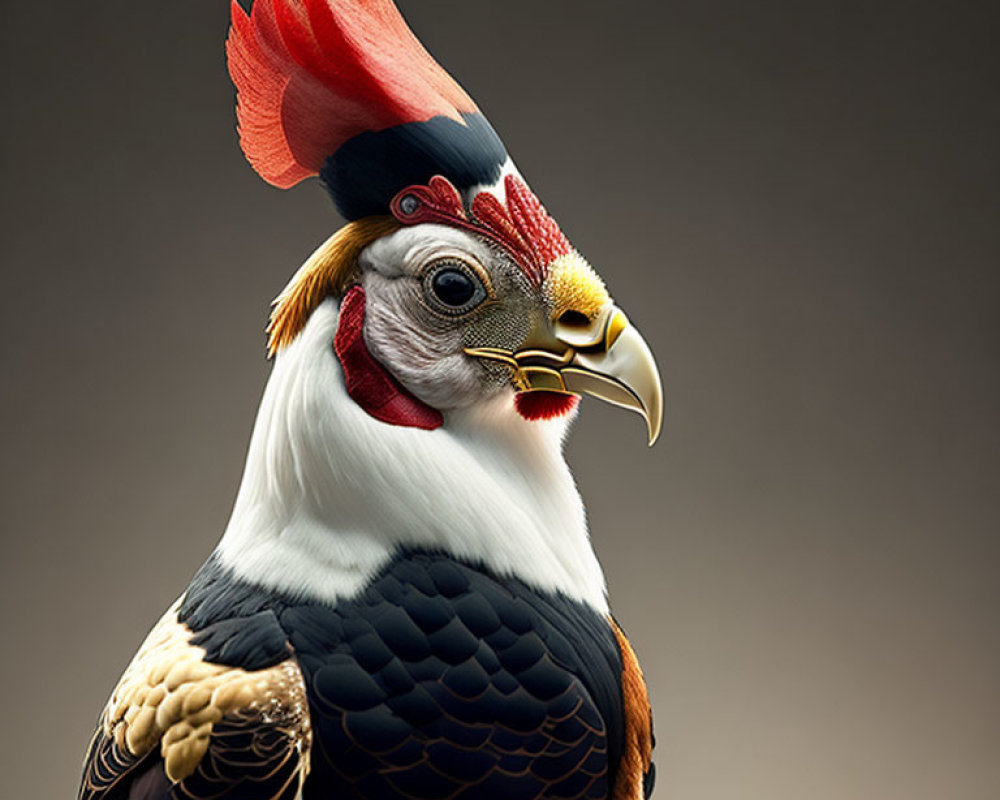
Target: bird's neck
330	494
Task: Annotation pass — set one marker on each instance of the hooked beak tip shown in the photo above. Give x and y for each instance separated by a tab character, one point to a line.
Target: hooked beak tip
607	359
625	375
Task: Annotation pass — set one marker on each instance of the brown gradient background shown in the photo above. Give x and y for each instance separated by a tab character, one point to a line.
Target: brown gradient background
796	202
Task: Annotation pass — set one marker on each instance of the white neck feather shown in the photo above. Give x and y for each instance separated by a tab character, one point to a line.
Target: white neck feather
329	493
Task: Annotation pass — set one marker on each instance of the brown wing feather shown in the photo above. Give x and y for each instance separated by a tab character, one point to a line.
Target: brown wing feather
634	780
207	726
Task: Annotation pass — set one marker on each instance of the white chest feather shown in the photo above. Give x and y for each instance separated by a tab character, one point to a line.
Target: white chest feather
329	494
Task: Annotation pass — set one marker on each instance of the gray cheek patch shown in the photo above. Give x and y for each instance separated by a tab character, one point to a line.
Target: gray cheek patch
422	350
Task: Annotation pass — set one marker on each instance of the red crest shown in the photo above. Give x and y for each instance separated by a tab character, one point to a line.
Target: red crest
312	74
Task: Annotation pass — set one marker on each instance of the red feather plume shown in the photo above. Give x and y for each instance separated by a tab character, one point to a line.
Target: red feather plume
311	74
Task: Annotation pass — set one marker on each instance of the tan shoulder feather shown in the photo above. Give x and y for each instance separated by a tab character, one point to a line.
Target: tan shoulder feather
171	699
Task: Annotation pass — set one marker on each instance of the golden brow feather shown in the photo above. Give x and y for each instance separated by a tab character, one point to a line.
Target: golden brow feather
328	271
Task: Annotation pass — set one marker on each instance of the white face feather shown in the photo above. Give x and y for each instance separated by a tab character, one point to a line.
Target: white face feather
329	493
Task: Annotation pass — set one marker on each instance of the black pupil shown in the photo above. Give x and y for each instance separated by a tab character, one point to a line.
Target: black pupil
453	287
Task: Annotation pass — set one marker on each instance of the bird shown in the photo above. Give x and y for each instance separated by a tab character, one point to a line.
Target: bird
405	602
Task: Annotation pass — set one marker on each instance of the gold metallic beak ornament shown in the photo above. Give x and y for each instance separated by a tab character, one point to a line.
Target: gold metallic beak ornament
604	357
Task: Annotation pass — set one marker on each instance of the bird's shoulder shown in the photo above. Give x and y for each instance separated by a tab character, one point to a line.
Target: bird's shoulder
179	717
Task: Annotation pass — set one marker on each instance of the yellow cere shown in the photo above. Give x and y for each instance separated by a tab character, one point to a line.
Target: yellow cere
573	285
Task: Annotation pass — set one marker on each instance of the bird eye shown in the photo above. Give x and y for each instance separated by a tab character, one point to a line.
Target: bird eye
452	288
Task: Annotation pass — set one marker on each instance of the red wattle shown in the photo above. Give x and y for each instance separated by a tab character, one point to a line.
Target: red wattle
368	384
539	404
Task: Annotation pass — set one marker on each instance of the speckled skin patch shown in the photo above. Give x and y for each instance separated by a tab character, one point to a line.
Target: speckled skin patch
505	324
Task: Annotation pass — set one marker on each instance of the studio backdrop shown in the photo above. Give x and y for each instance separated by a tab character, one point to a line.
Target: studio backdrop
797	204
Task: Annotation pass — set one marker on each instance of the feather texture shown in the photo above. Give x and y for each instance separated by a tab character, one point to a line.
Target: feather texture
312	74
329	493
208	730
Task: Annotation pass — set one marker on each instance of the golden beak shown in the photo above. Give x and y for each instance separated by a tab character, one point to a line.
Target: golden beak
604	357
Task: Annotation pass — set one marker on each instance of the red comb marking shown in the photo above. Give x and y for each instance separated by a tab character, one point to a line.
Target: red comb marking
523	227
537	228
539	404
311	74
